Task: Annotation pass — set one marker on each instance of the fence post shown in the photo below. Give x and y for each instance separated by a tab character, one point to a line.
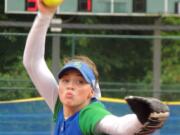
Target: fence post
157	60
55	55
73	45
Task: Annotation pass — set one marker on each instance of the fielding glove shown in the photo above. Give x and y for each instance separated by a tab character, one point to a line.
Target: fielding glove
151	112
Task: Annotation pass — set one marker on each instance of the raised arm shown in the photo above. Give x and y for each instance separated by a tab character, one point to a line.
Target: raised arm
33	58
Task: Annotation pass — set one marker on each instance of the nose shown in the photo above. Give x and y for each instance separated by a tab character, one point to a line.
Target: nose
70	85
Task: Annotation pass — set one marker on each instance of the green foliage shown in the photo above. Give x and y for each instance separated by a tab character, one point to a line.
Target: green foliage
171	20
171	54
11	52
117	59
171	62
16	84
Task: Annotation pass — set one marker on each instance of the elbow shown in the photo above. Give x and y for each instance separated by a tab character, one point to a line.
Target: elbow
26	64
31	64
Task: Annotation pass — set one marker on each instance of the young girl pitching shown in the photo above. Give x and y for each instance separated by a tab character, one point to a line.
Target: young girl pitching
74	99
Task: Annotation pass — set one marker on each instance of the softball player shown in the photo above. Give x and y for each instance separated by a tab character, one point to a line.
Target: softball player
74	99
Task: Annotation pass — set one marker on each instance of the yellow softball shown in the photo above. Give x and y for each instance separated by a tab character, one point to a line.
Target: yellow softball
52	3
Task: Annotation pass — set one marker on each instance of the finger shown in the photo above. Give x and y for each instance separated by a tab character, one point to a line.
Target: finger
160	116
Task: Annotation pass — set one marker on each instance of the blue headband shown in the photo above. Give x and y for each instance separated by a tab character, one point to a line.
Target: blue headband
86	72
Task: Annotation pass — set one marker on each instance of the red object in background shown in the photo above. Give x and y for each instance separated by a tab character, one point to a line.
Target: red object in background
89	5
31	5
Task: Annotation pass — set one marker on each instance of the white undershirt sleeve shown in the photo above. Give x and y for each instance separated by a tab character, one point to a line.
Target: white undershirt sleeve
34	62
113	125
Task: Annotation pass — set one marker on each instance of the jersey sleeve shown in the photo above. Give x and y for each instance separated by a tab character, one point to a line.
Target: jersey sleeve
90	116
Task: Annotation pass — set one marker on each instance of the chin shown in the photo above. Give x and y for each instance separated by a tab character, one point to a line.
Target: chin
69	103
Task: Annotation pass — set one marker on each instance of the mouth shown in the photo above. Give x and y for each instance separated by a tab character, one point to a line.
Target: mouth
69	94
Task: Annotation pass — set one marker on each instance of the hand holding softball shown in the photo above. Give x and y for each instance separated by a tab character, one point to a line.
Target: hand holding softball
48	6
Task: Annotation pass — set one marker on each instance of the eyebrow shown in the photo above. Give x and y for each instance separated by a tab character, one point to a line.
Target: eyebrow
68	73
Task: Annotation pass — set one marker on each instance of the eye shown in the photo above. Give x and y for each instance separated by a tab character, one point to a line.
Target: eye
65	80
80	82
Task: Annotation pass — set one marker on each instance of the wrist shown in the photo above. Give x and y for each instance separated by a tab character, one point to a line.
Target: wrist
45	15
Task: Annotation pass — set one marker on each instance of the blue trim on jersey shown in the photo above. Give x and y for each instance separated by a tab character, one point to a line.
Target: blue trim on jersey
69	126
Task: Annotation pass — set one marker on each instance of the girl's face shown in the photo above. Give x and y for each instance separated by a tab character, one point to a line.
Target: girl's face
74	91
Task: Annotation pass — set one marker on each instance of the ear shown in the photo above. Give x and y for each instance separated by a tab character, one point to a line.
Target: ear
91	93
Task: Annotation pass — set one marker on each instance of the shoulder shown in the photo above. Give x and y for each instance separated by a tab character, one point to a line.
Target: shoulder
94	107
91	115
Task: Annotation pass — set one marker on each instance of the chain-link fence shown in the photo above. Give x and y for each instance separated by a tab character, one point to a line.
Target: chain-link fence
125	63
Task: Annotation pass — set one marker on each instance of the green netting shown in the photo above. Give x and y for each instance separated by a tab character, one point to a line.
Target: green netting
35	118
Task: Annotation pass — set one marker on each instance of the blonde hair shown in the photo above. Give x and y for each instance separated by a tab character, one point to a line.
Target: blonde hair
86	60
